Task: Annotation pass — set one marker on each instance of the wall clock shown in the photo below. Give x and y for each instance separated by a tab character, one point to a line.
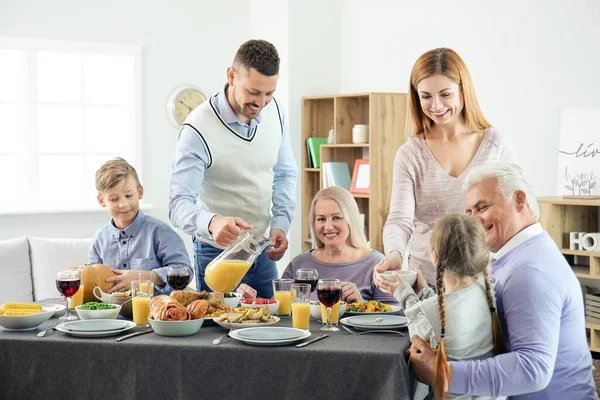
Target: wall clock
182	100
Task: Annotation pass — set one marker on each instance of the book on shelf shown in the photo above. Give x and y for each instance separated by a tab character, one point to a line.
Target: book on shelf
336	174
314	149
309	157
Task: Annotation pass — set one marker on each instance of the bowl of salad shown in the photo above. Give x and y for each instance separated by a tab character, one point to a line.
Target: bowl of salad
96	310
232	299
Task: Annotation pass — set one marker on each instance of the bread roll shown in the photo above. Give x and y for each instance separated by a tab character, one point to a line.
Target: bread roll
197	309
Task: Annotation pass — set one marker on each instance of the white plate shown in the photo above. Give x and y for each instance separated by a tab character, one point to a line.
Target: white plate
125	326
95	325
58	309
270	333
25	322
395	310
305	334
368	322
237	325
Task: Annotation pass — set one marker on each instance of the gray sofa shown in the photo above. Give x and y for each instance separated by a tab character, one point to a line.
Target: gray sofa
28	266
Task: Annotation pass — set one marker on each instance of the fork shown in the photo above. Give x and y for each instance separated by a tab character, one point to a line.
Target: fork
373	331
218	340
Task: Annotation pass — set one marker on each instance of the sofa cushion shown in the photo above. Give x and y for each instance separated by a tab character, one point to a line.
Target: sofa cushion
15	271
49	256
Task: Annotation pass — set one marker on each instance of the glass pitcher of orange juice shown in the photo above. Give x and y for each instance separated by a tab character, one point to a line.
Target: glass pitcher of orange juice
226	271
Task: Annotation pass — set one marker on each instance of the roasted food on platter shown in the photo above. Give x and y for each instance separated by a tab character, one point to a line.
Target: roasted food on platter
368	306
216	300
184	297
248	315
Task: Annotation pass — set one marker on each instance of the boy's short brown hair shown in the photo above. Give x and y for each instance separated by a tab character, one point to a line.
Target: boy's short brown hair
114	171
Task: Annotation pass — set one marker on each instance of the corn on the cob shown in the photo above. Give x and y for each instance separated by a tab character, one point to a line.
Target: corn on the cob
20	306
21	311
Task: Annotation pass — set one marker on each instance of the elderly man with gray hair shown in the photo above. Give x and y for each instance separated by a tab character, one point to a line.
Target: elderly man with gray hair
539	301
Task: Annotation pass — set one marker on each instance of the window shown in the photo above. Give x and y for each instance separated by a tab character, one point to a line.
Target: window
65	108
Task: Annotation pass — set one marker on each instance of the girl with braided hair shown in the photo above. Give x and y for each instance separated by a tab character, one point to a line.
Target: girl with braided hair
460	321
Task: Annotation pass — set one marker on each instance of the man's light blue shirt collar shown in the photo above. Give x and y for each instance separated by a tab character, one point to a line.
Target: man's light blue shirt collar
227	113
521	237
132	229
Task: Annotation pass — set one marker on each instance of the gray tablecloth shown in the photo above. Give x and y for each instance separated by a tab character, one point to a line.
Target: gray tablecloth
149	366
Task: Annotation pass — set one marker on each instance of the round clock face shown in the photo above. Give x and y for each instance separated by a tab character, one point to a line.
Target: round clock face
181	102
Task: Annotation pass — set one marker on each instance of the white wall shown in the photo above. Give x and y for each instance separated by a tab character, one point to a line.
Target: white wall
179	46
314	65
528	59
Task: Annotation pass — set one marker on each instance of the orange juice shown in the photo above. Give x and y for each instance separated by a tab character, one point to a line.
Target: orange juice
225	275
285	302
144	287
300	315
335	313
77	299
141	309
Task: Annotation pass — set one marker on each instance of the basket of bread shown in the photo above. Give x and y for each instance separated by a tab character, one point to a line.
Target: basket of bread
182	313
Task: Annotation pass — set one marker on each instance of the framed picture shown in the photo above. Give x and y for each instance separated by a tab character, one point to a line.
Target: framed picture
360	177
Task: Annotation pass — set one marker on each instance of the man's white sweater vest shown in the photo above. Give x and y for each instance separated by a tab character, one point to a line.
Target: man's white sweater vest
238	181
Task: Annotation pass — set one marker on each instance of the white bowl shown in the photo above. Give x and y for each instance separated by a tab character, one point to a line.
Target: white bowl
409	276
113	313
272	307
315	309
176	328
233	302
25	322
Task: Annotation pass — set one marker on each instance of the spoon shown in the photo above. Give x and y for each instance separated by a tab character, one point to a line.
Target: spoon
218	340
43	333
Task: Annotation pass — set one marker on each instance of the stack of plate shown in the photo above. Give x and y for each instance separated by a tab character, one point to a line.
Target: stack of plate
269	336
95	327
374	322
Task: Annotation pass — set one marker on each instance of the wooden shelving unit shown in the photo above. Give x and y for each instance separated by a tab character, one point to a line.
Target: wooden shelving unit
559	217
385	113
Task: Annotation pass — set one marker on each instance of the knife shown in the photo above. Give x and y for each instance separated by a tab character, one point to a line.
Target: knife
134	334
312	340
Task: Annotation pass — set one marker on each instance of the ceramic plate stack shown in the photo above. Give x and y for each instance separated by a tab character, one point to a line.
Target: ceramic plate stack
269	336
374	322
95	327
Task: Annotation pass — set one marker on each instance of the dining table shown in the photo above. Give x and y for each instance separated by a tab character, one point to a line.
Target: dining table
149	366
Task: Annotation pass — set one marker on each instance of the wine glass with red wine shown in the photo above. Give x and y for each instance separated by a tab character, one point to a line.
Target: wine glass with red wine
67	283
329	292
307	275
178	277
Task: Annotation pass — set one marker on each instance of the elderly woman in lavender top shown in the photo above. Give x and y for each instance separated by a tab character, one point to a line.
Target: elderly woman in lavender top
339	247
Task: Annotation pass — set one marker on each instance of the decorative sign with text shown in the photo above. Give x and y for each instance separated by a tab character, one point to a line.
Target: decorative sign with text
579	153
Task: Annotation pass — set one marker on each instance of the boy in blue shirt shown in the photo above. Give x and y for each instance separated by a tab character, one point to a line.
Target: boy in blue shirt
133	242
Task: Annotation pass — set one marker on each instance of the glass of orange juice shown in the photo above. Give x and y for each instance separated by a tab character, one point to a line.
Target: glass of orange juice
141	293
301	305
281	289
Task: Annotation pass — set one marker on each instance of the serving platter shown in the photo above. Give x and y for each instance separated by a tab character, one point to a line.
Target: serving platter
395	310
238	325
